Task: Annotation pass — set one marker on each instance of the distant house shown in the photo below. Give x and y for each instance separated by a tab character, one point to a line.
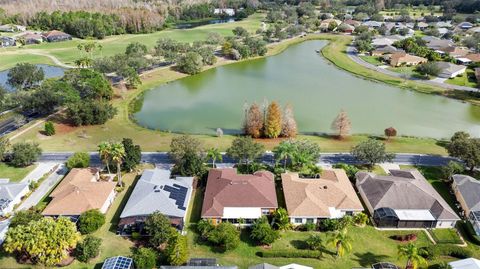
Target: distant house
470	263
443	24
56	36
329	197
381	50
224	11
156	191
6	41
467	192
449	70
422	25
10	195
455	51
402	58
12	28
118	262
442	31
230	196
32	38
372	24
351	22
383	41
438	44
465	25
346	28
326	23
474	57
81	190
404	199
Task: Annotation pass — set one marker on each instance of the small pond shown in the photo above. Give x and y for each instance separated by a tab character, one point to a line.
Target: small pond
49	70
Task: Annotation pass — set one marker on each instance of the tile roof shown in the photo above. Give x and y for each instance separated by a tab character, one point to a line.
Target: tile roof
403	189
474	57
399	58
78	192
156	191
54	33
314	197
226	188
469	188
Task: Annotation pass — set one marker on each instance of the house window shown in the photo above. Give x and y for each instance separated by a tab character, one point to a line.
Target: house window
309	220
265	211
298	220
349	213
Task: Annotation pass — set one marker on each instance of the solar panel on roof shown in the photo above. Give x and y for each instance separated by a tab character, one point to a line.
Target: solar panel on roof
177	193
118	262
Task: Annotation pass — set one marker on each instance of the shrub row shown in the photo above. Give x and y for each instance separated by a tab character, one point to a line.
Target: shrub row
290	254
405	237
435	251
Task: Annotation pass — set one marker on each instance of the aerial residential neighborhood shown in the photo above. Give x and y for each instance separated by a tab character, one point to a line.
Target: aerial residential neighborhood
240	134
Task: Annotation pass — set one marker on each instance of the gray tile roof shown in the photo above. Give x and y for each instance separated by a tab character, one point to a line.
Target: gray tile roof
403	189
10	190
151	194
469	188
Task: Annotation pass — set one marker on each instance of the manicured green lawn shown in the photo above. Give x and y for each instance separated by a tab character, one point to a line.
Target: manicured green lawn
466	79
10	60
15	174
375	60
445	236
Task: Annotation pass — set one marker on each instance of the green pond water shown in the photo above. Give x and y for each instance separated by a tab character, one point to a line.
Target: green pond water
316	89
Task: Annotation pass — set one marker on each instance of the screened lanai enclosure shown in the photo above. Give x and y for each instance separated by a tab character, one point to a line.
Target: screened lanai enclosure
386	217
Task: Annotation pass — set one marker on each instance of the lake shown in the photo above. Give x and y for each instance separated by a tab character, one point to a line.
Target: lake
49	70
316	89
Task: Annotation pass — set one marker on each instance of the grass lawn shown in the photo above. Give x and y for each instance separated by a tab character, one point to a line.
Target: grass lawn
15	174
375	60
406	70
467	79
445	236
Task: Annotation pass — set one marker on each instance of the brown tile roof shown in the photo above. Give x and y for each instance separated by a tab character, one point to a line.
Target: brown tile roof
455	51
78	192
399	58
474	57
314	197
53	33
226	188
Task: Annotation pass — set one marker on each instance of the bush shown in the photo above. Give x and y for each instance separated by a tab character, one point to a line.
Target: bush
136	236
25	153
78	160
328	225
262	232
350	170
49	128
312	254
360	219
308	227
90	221
145	258
405	237
314	242
88	249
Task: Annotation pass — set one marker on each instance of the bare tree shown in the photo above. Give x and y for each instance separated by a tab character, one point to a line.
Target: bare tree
289	128
342	125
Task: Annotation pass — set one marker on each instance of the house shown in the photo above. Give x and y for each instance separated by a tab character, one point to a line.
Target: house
118	262
156	191
449	70
56	36
10	195
404	199
230	196
443	24
12	28
372	24
32	38
470	263
455	52
465	25
329	197
438	44
224	11
346	28
422	25
6	41
383	41
4	229
474	57
403	58
442	31
463	60
381	50
351	22
467	192
326	23
81	190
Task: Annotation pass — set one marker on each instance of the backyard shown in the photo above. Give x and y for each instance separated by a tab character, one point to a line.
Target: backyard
467	79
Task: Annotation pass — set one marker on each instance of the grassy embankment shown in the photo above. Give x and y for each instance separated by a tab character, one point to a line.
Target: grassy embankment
86	138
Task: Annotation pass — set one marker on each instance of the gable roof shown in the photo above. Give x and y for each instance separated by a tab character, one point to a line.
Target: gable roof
474	57
470	263
455	51
156	191
439	44
78	192
54	33
469	188
9	192
315	197
398	58
449	68
226	188
403	190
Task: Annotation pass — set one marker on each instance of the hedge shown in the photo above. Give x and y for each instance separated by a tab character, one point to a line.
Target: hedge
290	254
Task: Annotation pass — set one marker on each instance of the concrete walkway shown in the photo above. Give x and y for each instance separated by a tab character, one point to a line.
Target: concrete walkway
389	166
39	172
44	188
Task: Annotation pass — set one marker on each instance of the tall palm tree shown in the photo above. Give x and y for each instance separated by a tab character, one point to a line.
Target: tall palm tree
284	151
105	153
341	241
214	154
412	254
117	152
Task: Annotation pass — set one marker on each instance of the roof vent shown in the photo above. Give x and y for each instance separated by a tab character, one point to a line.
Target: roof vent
325	187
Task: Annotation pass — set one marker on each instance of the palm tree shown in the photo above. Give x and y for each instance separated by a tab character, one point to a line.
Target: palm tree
117	152
284	151
281	219
105	153
412	254
341	241
214	154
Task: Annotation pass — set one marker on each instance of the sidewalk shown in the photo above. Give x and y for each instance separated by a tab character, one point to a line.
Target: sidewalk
44	188
39	172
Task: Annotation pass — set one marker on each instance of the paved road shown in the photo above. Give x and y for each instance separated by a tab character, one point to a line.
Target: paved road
351	52
44	188
325	158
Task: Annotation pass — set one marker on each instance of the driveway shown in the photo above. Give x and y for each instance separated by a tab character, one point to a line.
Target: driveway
44	188
39	171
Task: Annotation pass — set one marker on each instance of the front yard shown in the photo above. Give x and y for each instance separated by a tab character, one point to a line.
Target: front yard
375	60
15	174
467	79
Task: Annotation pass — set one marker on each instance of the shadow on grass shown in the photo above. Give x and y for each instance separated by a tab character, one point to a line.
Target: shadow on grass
368	258
299	244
